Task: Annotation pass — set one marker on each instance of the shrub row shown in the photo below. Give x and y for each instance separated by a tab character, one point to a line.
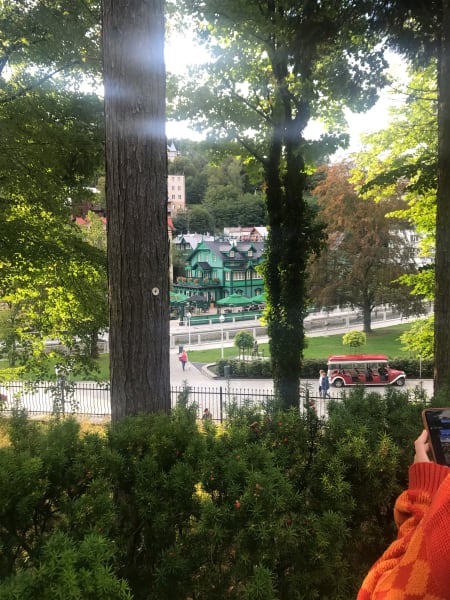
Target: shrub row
272	505
310	368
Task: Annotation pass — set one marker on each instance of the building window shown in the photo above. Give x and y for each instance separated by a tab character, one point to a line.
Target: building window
239	276
227	275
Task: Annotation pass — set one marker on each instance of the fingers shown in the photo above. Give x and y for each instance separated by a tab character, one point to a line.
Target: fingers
422	448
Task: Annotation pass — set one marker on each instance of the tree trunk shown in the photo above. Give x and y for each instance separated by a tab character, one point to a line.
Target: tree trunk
136	200
93	344
442	304
367	317
287	251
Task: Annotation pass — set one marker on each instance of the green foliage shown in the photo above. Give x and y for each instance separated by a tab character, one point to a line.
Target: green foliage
402	160
272	505
65	568
419	340
244	341
354	339
52	147
246	368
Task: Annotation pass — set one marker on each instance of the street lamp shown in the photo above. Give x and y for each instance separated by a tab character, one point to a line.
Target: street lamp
221	319
189	315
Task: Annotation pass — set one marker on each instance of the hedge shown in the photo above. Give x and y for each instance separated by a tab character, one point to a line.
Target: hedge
261	368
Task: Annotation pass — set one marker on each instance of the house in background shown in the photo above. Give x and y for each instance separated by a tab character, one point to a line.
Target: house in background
187	242
216	269
254	234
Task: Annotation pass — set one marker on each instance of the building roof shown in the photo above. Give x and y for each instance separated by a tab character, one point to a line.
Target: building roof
191	239
222	249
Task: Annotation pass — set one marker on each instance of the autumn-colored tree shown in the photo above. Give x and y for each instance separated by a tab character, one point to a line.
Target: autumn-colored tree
365	252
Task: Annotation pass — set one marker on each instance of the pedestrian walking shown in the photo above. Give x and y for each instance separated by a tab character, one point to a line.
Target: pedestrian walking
183	358
324	385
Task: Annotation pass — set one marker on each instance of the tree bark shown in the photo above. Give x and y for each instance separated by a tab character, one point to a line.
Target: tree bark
136	200
442	303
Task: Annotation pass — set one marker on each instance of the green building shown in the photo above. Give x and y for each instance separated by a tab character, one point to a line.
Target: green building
216	269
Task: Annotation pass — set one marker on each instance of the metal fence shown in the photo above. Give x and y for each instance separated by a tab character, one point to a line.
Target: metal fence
92	400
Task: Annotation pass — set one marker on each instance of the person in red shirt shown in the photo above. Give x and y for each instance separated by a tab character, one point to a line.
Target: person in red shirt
183	358
416	566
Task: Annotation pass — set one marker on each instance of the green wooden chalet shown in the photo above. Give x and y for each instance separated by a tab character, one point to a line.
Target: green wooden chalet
216	269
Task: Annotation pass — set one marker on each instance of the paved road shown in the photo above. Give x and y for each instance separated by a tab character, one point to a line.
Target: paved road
194	376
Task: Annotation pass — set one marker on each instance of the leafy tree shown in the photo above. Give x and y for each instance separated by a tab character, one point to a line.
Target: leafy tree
246	210
64	298
365	253
136	196
421	31
95	231
196	219
354	339
244	342
419	339
403	157
274	66
51	147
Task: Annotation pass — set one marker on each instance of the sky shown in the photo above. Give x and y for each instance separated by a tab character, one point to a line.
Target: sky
181	52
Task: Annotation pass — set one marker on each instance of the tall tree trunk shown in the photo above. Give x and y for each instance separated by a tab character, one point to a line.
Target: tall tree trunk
288	247
136	200
442	298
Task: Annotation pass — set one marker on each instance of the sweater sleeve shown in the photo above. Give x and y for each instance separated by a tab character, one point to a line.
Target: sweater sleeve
410	509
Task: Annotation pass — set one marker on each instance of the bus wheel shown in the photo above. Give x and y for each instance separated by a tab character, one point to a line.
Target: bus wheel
338	383
400	382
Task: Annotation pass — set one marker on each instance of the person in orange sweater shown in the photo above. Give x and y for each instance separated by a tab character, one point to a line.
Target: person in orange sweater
416	566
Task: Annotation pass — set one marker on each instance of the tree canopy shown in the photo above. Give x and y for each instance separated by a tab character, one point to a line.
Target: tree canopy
51	149
402	159
365	253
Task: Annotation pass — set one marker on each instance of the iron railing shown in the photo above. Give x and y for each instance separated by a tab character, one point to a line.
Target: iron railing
92	400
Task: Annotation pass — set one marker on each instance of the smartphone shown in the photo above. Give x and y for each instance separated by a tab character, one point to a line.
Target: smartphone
437	422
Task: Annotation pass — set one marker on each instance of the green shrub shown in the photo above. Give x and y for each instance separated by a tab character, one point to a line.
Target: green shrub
272	505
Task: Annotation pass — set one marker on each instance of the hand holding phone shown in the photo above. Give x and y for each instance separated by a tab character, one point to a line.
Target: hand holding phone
437	422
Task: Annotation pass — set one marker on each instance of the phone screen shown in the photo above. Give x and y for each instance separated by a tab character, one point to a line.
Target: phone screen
437	421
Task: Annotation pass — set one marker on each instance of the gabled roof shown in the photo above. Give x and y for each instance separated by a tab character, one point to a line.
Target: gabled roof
221	249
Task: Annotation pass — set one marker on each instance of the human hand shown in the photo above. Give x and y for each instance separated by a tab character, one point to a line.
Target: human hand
422	447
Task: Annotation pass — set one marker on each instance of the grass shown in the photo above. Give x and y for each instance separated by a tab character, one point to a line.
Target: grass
382	341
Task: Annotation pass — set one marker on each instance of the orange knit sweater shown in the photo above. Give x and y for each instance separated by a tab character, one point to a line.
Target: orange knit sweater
416	566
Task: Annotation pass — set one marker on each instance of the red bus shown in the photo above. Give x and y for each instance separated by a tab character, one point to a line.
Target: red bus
363	369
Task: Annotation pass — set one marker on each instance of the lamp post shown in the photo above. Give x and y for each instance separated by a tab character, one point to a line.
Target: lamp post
221	319
189	315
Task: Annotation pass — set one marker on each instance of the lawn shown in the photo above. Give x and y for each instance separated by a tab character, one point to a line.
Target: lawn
382	341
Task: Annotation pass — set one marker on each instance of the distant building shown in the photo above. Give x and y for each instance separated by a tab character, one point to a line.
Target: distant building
254	234
176	194
172	152
186	242
219	268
